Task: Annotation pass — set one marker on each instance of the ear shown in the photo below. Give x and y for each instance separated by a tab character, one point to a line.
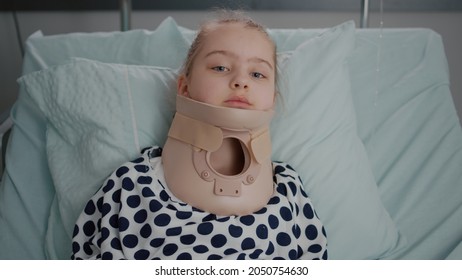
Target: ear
182	85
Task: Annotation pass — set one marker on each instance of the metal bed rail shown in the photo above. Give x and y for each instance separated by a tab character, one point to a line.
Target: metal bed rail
364	19
125	14
125	7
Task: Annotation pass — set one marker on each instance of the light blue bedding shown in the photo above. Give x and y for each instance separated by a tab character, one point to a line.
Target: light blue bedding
413	137
410	131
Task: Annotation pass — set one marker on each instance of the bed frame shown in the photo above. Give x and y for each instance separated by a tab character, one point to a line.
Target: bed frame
126	9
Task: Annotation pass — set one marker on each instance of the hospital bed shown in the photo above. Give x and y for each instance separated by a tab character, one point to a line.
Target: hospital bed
366	117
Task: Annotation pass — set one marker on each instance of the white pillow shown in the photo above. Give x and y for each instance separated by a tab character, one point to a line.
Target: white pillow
100	115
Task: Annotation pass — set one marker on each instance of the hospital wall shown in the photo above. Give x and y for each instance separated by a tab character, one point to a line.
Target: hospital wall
445	23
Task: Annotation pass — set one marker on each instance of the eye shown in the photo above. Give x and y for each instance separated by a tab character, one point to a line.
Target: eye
220	68
257	75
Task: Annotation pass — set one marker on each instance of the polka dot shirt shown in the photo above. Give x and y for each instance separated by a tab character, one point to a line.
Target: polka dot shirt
135	216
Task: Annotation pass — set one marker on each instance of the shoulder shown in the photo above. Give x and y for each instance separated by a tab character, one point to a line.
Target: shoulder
152	152
286	178
142	162
137	169
284	169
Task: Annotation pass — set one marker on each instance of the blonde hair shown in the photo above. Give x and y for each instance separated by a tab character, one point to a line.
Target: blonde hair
224	17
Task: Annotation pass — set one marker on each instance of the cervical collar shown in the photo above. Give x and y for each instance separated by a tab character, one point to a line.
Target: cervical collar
197	131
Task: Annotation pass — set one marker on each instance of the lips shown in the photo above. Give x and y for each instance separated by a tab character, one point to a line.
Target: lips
238	102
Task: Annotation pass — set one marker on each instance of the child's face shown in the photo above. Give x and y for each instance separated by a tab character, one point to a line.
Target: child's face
234	68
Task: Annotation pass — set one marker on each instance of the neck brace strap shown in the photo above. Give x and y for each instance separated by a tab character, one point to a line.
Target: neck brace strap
201	125
208	137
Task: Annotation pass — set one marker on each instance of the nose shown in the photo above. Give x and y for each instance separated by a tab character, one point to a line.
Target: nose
239	82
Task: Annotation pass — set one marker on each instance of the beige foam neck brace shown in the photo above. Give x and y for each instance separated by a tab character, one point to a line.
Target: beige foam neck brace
197	131
203	126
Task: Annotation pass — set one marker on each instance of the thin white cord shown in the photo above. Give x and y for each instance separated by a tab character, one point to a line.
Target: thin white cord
132	112
379	57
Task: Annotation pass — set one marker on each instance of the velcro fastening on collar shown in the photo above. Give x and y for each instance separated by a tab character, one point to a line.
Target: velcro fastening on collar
199	134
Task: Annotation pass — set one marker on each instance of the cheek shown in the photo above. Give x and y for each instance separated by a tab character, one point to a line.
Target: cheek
196	87
268	100
204	90
268	104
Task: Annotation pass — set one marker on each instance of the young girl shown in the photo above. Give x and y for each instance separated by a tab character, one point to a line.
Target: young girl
212	192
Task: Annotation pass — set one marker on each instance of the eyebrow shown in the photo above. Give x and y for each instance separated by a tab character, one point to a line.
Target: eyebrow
231	54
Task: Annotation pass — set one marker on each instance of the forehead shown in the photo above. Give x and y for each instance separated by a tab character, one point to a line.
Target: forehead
238	37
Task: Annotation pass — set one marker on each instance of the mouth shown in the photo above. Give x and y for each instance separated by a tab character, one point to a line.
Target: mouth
238	102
